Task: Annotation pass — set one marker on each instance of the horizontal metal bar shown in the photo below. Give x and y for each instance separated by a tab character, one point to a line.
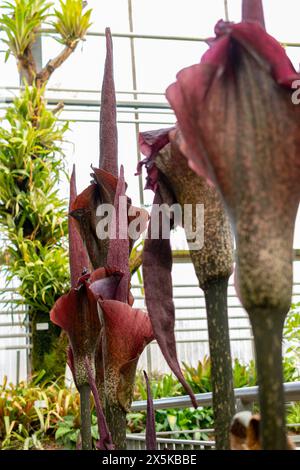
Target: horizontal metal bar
196	286
131	121
205	340
136	104
164	440
247	394
13	324
231	317
52	31
139	286
183	256
153	36
21	335
189	296
120	111
16	347
13	312
196	329
82	90
9	289
185	431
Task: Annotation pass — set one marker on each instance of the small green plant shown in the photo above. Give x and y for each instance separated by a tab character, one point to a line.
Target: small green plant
244	375
21	21
292	332
293	416
71	23
199	377
30	413
67	434
161	386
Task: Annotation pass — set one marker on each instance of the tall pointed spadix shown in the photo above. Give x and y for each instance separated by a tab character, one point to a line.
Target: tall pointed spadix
108	115
252	10
77	254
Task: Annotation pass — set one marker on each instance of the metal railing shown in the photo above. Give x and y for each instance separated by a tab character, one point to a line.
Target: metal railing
247	395
245	398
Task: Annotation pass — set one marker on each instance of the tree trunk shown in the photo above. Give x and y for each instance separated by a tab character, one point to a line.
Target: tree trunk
48	347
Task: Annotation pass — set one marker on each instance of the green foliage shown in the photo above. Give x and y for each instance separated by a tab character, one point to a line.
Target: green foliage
244	375
33	216
23	424
32	213
161	386
30	164
293	416
68	432
20	21
199	377
292	332
71	23
43	271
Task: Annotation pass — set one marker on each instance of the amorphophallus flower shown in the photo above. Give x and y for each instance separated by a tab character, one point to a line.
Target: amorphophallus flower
76	313
241	128
125	330
85	208
212	258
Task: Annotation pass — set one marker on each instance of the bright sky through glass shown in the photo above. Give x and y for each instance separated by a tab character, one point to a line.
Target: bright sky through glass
157	62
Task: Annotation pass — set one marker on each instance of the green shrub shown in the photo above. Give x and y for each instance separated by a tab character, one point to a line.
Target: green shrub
33	215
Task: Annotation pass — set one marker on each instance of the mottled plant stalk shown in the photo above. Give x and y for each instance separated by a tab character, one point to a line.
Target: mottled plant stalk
85	415
151	443
213	264
221	368
267	328
116	421
240	128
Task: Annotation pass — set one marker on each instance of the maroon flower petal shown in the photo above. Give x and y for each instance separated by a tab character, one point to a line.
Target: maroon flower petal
76	313
70	361
126	332
79	261
107	185
188	96
150	421
159	298
252	10
118	252
196	79
108	114
83	210
151	142
104	286
105	440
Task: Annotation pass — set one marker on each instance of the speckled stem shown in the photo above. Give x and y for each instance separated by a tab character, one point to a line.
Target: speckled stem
213	265
85	413
221	370
116	421
267	328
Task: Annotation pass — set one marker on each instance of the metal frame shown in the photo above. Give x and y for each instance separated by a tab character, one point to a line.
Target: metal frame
137	106
245	397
